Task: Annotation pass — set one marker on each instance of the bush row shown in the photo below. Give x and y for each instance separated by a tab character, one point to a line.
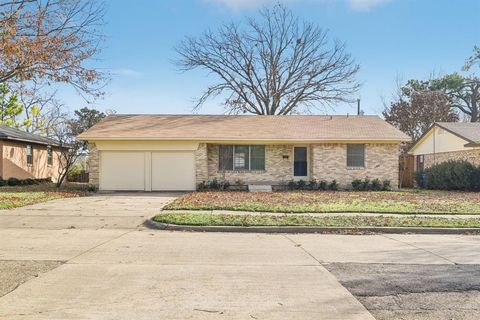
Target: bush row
450	175
312	185
23	182
357	185
373	185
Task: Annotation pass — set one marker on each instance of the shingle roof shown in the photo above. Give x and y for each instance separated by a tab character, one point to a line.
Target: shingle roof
469	131
7	133
243	127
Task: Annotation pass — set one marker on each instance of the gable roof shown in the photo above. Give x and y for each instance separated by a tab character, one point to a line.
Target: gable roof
7	133
470	131
243	127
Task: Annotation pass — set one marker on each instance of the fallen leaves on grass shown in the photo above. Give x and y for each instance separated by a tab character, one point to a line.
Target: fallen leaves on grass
409	201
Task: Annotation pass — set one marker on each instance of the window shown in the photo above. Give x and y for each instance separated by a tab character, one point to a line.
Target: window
257	158
29	154
356	155
241	157
420	162
49	155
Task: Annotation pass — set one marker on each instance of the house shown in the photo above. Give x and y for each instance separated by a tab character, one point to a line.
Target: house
447	141
24	155
176	152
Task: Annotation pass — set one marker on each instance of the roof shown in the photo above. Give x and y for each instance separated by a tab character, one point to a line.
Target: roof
8	133
469	131
243	127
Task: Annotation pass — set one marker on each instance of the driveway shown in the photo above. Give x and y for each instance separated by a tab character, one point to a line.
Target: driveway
129	272
100	211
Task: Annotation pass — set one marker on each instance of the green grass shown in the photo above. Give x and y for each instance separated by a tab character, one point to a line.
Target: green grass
208	219
400	202
19	196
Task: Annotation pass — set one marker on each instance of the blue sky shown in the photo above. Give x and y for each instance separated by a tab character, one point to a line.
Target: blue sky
390	39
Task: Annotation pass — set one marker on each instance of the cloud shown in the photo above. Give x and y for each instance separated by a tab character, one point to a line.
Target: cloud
360	5
127	72
364	5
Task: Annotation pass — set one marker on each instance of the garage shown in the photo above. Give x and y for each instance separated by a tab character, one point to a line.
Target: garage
147	170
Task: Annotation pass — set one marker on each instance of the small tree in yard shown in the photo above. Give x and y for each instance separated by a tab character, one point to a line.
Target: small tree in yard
66	132
277	65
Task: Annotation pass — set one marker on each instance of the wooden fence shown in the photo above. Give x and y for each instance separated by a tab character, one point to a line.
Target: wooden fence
406	171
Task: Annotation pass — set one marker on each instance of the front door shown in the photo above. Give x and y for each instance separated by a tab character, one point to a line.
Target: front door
300	163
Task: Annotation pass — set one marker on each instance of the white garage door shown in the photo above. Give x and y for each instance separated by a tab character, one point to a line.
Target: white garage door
173	171
145	170
122	170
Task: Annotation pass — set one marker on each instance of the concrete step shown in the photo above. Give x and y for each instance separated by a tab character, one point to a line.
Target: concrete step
259	188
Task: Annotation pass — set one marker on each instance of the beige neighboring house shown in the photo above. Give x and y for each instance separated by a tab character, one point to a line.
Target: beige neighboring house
176	152
24	155
447	141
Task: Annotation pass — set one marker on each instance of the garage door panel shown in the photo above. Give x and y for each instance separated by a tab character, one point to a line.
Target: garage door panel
122	170
173	171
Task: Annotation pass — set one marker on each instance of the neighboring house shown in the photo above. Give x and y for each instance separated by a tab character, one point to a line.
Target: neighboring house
176	152
447	141
24	155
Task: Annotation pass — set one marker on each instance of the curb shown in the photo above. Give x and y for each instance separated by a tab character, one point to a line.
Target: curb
322	230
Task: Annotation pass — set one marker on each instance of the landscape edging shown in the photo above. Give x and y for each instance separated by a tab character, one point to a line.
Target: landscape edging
150	223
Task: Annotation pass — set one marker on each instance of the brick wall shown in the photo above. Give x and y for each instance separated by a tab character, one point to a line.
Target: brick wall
472	156
330	162
93	165
14	161
327	162
277	169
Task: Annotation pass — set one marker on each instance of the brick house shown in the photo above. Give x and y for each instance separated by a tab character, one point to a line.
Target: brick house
24	155
447	141
176	152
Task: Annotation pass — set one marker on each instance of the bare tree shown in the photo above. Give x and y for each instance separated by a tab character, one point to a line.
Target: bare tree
71	148
50	41
277	65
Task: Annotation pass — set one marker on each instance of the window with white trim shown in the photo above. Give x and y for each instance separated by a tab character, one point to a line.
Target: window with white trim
241	157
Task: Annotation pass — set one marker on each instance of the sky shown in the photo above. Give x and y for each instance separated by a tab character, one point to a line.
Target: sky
389	39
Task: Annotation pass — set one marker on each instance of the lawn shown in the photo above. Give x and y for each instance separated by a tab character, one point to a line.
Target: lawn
248	220
14	197
401	202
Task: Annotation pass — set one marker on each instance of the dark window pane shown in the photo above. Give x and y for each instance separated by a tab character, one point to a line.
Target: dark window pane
257	157
49	155
225	158
300	165
241	158
355	155
29	154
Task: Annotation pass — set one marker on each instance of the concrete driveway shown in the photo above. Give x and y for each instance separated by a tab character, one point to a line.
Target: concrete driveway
100	211
102	271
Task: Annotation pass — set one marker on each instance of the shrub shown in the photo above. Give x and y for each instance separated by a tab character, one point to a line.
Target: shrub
333	185
357	184
28	182
376	185
312	185
2	182
452	175
386	185
92	188
301	184
373	185
322	185
13	182
420	179
215	184
292	185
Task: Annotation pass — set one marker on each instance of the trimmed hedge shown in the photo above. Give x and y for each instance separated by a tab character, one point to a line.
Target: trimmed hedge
22	182
450	175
